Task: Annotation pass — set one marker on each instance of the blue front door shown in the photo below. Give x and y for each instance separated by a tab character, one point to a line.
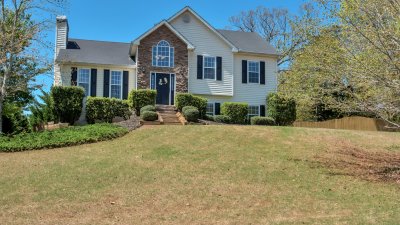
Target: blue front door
163	88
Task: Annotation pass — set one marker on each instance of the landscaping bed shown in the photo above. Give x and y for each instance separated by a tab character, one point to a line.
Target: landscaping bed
61	137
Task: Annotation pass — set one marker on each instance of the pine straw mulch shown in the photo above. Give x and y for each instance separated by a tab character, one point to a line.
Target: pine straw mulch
345	159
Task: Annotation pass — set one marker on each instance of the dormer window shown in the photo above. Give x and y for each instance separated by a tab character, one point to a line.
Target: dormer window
163	55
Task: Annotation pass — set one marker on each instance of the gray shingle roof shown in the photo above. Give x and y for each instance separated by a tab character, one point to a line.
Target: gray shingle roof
249	42
96	52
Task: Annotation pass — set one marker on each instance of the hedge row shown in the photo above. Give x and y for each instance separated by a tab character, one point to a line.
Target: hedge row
61	137
103	109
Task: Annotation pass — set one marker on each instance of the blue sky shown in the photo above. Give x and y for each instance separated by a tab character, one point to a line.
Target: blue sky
124	20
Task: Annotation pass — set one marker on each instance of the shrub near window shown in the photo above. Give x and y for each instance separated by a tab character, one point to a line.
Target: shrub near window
106	109
237	111
68	103
185	99
282	110
142	97
258	120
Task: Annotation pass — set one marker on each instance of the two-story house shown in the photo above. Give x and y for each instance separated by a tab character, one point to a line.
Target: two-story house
181	54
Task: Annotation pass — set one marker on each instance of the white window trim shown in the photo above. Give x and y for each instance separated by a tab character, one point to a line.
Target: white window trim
90	79
169	56
213	103
248	72
215	67
121	84
259	109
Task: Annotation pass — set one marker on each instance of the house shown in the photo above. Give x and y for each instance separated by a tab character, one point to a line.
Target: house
181	54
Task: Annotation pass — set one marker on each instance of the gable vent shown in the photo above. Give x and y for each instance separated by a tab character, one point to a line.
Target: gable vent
186	18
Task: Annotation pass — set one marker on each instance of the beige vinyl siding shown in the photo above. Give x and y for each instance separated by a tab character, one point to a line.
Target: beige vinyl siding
253	94
206	43
61	36
66	76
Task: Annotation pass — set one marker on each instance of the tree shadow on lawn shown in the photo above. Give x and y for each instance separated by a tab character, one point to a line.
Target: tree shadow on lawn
380	166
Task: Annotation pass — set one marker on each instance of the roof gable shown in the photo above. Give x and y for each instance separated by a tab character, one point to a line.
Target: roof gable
164	22
197	16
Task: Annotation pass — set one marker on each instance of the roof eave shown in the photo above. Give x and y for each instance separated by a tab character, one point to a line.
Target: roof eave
62	62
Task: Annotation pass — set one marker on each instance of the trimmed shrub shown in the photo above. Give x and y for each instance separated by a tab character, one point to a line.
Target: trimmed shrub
258	120
68	102
209	117
237	111
188	107
151	108
61	137
106	109
192	114
186	99
222	119
140	98
149	116
281	109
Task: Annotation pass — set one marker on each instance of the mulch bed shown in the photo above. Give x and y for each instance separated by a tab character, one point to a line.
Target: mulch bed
131	124
374	166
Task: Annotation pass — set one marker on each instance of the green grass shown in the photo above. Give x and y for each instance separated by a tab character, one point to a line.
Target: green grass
61	137
197	175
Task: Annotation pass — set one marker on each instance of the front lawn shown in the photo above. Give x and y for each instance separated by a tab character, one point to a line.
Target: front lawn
61	137
205	175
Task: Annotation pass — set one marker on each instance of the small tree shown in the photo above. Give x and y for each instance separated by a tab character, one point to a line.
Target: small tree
21	44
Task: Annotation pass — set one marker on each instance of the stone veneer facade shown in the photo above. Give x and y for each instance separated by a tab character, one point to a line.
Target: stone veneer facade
144	64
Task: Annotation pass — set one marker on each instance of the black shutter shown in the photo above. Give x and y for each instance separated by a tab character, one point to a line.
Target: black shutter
93	85
125	85
244	71
74	76
199	67
262	110
219	68
262	72
217	108
106	88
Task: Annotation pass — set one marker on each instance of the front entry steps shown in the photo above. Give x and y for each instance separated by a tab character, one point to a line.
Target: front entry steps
168	114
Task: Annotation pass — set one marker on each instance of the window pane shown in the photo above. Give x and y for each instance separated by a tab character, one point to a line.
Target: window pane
154	56
116	77
171	57
115	91
209	73
253	77
253	110
210	109
83	80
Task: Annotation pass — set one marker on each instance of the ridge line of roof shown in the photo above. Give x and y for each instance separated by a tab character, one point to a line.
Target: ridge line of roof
80	39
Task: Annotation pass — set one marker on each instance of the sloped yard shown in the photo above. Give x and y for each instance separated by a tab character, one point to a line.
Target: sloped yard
208	175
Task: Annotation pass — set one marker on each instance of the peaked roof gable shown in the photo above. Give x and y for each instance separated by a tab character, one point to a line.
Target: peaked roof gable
164	22
188	9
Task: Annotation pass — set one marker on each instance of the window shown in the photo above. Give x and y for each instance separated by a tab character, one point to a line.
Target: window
209	67
163	55
210	109
116	84
254	72
254	110
84	80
